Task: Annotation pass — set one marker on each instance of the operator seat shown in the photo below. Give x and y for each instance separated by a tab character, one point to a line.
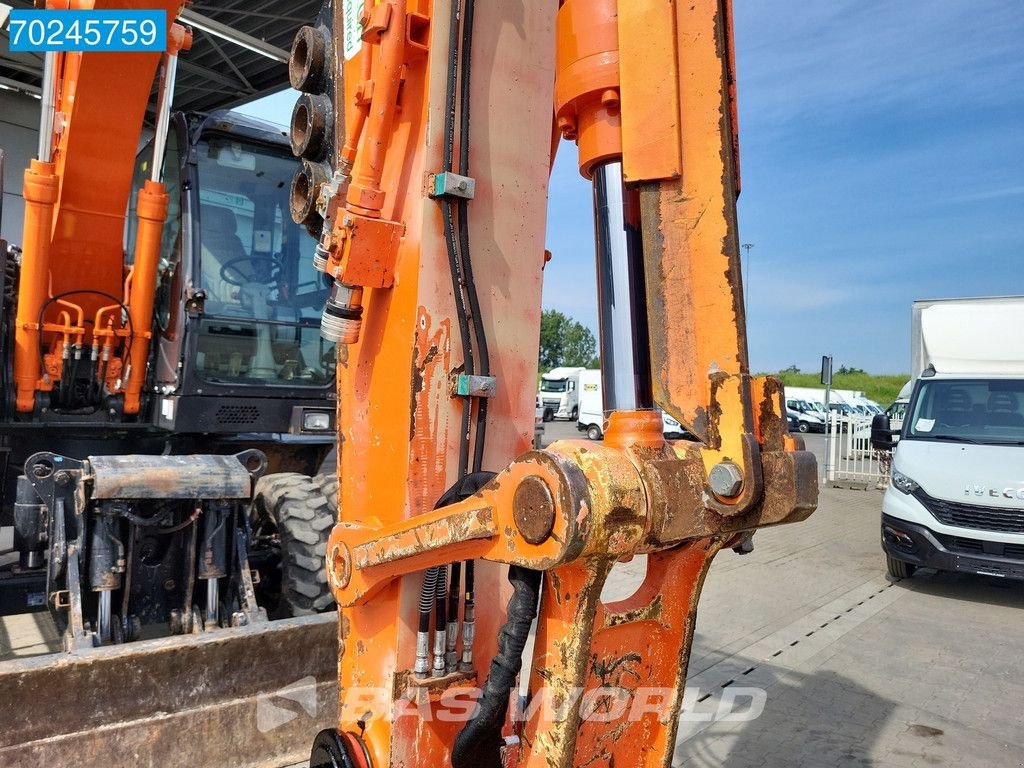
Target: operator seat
954	408
221	244
1004	410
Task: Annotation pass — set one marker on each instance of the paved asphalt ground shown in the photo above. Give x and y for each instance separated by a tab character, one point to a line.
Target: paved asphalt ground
857	671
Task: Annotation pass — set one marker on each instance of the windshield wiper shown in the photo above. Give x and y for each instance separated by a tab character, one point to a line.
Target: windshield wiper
954	439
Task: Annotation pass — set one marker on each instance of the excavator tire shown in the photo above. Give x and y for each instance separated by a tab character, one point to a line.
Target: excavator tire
303	516
328	482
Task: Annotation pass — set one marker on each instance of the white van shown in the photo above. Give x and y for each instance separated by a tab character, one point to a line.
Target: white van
956	497
810	416
591	414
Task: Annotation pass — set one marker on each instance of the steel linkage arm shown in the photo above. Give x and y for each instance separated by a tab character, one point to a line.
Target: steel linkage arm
636	493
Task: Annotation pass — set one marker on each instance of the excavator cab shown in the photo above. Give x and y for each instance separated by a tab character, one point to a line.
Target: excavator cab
234	257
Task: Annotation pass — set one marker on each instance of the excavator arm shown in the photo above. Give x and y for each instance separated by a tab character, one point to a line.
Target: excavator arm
91	316
427	132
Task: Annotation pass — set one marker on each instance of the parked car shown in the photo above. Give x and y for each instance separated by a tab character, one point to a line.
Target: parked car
793	419
809	418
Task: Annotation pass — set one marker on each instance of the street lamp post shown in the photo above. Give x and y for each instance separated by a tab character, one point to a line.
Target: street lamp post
746	277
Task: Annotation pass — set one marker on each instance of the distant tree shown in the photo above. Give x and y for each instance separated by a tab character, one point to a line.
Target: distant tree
564	341
849	369
791	369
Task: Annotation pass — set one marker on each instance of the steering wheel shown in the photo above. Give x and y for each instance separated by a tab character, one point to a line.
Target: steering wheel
229	269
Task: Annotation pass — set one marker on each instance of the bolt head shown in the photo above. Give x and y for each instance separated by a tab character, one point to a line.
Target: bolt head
726	479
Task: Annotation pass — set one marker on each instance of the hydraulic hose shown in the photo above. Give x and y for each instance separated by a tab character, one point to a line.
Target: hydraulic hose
422	668
479	743
441	622
479	333
448	217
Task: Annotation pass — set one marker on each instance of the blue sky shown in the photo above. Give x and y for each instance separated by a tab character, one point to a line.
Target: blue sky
882	149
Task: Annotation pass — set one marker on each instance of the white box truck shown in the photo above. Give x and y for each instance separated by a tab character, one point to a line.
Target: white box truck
559	393
591	413
956	498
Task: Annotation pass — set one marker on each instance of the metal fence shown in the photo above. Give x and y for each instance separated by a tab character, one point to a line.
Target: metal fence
850	460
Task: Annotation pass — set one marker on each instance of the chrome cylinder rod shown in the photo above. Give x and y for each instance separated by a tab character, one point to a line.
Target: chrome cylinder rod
212	603
163	116
622	297
46	109
103	617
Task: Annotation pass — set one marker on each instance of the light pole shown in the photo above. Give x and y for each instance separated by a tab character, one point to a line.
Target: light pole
746	277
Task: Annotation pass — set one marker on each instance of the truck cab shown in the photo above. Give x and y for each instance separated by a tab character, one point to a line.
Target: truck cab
559	393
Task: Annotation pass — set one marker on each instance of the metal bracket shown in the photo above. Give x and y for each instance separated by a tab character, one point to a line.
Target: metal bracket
448	184
466	385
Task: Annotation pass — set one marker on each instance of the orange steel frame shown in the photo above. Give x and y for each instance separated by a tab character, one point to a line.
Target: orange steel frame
75	203
650	82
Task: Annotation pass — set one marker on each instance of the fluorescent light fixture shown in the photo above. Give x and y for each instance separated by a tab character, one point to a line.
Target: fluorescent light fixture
232	35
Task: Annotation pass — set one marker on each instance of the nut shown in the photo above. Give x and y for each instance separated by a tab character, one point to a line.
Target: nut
726	479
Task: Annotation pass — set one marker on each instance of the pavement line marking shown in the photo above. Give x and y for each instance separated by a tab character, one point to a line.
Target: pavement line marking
763	662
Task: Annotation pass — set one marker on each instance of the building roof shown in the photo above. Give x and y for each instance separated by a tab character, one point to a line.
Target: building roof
239	52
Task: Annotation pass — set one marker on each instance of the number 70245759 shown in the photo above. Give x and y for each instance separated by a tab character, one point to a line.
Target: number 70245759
120	30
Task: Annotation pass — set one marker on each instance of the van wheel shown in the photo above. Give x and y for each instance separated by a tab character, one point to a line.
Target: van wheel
549	415
594	432
898	569
804	427
575	415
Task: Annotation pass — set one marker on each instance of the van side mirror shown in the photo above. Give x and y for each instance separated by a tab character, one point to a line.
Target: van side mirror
881	433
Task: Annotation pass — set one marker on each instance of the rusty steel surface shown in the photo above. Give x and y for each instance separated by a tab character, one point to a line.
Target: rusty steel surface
246	697
690	236
169	477
578	507
533	508
642	642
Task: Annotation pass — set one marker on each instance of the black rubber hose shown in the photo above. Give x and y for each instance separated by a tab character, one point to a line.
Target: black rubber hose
480	334
448	150
469	580
427	598
462	489
466	54
479	743
440	596
460	312
454	585
451	243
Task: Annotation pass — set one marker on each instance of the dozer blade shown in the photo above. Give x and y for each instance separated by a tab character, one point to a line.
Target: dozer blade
245	697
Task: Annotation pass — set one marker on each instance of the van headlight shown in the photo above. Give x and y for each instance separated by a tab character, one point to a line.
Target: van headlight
902	483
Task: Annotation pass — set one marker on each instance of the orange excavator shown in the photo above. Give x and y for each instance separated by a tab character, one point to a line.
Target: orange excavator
428	130
159	352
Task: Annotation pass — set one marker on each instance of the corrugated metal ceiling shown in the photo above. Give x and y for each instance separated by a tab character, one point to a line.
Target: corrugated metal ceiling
216	73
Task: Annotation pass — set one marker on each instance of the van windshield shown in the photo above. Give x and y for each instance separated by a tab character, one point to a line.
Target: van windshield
989	411
553	385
